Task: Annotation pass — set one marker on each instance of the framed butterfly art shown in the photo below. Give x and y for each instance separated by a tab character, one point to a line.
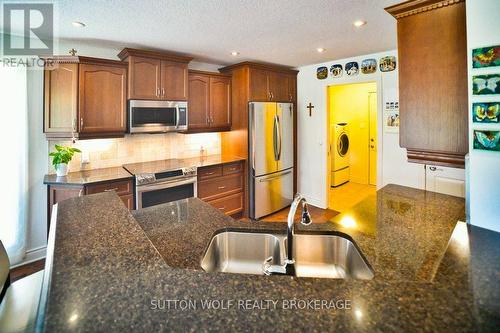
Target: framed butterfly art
486	84
486	57
486	112
487	140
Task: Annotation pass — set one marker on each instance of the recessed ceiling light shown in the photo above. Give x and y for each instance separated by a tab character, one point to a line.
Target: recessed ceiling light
359	23
234	53
320	49
78	24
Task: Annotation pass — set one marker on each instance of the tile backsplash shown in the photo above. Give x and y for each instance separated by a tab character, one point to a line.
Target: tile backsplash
103	153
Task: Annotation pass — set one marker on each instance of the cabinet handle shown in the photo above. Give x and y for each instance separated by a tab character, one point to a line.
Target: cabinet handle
222	208
111	189
221	187
209	173
81	123
163	91
232	169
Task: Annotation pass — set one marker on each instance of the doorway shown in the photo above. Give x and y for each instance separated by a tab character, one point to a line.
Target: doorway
352	153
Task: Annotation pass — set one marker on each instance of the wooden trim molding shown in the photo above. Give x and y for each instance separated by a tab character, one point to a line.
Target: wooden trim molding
81	60
413	7
264	66
170	56
195	71
455	160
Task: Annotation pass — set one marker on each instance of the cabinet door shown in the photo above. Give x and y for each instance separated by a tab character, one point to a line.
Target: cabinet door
102	99
174	81
220	102
278	86
144	81
259	86
292	88
60	98
57	193
199	101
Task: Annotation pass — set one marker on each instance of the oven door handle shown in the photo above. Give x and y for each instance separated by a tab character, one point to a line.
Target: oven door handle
163	185
177	116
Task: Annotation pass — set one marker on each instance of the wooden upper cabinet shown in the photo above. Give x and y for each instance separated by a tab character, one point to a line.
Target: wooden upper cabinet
164	75
292	88
259	85
60	99
174	81
209	102
199	101
278	86
102	98
220	101
432	60
269	84
144	78
84	97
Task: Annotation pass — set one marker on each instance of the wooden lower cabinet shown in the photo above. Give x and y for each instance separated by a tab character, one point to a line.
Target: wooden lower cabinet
230	204
222	186
57	193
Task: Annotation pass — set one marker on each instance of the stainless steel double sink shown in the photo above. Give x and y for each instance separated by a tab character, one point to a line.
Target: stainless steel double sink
315	255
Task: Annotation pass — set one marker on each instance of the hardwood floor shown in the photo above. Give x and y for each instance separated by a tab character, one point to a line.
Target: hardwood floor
318	215
25	270
345	196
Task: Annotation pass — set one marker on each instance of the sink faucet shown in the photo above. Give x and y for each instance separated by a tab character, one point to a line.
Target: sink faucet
305	220
288	267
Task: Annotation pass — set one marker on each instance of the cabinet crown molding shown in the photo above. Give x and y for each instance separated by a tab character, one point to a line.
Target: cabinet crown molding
414	7
163	55
64	59
265	66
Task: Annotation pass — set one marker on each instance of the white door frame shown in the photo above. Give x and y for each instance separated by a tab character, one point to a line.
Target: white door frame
380	131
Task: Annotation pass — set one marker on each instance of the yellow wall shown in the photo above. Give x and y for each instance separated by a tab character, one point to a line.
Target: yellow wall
349	103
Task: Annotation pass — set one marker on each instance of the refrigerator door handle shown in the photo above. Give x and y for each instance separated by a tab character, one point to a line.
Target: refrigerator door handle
275	137
252	131
278	131
275	177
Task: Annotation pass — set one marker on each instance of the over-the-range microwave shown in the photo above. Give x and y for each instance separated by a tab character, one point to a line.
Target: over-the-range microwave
157	116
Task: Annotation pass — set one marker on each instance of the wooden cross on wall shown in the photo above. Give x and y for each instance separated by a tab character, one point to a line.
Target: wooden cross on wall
310	107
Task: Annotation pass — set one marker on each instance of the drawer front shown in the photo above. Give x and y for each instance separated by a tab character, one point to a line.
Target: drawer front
128	200
120	187
209	172
229	205
221	186
232	168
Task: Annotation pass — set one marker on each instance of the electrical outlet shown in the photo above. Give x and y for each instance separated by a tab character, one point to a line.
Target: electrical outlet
85	157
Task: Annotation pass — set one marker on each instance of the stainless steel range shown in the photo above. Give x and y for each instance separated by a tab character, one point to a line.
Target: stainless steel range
160	182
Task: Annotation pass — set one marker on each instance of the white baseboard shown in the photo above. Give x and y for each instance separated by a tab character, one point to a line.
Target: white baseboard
33	255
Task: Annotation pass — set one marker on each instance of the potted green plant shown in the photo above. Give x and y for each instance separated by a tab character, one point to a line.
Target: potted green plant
61	158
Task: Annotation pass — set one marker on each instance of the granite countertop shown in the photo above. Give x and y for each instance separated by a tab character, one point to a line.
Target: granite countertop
177	163
109	270
86	177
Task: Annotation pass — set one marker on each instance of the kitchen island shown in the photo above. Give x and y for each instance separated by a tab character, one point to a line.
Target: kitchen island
110	270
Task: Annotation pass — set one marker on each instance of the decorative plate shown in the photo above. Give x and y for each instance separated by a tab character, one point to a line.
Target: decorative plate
487	140
352	68
322	73
486	84
486	57
368	66
485	112
387	64
336	70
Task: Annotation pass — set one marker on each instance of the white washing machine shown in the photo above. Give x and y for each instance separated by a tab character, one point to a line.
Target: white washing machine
340	155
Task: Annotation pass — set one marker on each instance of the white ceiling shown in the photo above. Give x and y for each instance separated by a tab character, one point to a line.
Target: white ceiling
286	32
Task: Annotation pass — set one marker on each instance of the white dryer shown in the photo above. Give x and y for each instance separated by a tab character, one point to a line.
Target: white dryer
340	155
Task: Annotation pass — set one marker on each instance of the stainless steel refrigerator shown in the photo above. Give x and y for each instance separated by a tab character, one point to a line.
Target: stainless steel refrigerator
270	157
